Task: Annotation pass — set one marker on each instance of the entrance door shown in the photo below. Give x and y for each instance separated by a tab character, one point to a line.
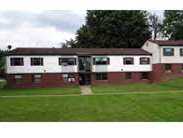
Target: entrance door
84	64
84	79
84	70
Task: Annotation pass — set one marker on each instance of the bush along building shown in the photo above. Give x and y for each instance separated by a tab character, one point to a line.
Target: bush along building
57	67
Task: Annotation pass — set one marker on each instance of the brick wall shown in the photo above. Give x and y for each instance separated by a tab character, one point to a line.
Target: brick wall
119	78
48	80
157	72
56	80
160	74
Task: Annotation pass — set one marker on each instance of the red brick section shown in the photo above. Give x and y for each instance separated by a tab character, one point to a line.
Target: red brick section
176	68
48	80
176	71
159	73
56	80
119	78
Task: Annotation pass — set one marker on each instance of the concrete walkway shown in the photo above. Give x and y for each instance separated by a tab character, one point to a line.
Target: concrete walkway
86	90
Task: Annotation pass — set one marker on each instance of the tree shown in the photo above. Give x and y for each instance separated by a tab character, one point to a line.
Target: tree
173	25
68	44
9	47
155	25
118	29
2	59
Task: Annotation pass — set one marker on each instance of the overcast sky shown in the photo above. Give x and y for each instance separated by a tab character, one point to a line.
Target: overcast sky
47	28
39	29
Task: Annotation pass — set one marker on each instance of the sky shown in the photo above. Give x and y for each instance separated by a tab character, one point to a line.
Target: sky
40	28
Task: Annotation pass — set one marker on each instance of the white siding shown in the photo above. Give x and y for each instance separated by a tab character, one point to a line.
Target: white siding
50	65
154	50
157	53
116	65
172	59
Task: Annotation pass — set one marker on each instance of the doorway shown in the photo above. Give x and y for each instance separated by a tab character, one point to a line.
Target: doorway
85	79
84	63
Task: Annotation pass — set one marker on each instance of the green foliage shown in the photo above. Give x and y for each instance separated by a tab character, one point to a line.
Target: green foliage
2	59
173	24
2	83
69	43
113	29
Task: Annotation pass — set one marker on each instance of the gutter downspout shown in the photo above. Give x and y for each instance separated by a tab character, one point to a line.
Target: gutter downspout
159	53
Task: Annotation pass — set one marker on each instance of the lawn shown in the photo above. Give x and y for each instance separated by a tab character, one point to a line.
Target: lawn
165	103
173	85
132	107
37	91
40	91
2	83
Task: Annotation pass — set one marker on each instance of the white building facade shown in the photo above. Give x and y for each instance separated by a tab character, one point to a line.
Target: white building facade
167	57
33	67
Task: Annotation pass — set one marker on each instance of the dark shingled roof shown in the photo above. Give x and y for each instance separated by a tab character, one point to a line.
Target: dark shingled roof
168	42
78	51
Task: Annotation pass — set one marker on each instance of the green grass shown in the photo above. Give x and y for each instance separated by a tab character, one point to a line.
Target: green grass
132	107
40	91
173	85
2	83
165	105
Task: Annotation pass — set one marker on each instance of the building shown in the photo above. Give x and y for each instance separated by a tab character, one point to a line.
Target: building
156	61
167	58
56	67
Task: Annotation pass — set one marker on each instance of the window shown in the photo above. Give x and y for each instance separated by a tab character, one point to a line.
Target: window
128	61
181	51
128	75
16	61
168	67
68	78
36	78
67	61
18	78
101	76
144	75
144	60
168	51
147	44
101	61
36	61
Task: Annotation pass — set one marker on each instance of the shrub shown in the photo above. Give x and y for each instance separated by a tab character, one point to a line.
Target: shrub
2	83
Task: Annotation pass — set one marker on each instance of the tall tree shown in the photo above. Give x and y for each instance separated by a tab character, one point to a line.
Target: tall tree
155	25
173	24
114	29
2	59
68	44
